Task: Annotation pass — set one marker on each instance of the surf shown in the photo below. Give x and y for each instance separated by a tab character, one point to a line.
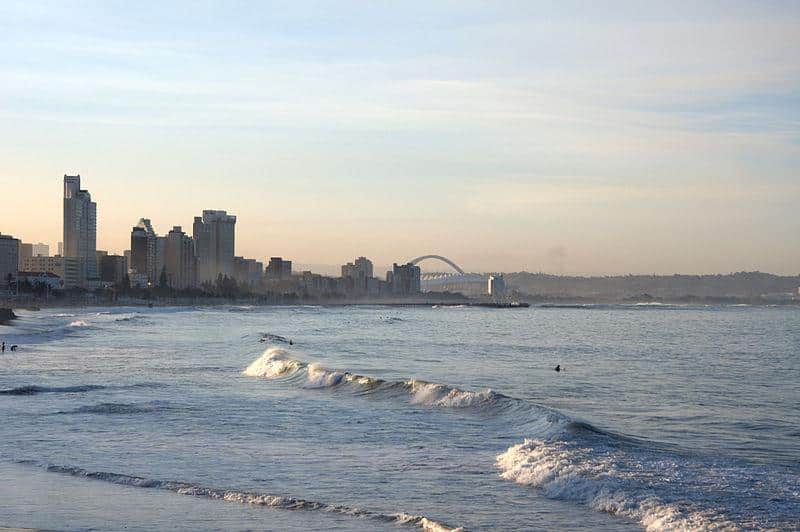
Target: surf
282	502
275	362
565	458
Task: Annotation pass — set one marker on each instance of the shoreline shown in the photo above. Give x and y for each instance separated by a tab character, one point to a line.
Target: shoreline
7	306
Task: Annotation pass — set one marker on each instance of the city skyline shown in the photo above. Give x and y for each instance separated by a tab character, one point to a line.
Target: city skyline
505	136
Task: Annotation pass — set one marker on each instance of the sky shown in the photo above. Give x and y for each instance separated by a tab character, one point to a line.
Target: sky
566	137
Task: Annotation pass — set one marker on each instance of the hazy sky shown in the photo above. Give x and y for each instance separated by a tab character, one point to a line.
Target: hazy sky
558	136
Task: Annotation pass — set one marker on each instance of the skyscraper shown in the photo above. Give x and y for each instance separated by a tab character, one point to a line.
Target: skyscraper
25	252
404	279
80	226
179	259
214	237
358	274
143	251
9	263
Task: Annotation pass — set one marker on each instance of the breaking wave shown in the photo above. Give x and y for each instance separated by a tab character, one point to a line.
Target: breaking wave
563	470
275	362
282	502
568	459
78	323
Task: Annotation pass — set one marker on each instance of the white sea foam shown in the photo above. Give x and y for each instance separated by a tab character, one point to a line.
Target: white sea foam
274	362
78	323
319	377
283	502
564	470
432	394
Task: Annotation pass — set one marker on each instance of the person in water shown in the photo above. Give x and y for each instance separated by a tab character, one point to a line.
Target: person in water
14	347
558	368
4	348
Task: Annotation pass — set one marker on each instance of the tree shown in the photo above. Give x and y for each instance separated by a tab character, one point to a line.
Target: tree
40	288
25	286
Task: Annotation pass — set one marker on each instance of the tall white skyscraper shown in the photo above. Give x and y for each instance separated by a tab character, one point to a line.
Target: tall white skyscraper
80	226
214	237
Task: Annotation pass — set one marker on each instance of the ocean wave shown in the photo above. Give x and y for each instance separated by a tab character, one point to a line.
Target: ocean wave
570	459
133	317
283	502
275	362
269	337
659	490
119	408
78	323
34	390
565	471
442	395
319	377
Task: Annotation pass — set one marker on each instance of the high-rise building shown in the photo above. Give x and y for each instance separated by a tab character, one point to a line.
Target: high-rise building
160	267
404	279
278	269
364	267
357	274
214	237
248	271
99	254
113	268
80	226
41	250
25	252
180	263
144	251
9	263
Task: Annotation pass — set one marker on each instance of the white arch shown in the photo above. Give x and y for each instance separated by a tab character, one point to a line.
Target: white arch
447	261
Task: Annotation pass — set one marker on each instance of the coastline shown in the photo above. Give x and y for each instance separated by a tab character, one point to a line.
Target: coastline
32	304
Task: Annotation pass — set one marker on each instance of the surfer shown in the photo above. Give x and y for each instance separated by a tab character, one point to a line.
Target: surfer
558	367
14	347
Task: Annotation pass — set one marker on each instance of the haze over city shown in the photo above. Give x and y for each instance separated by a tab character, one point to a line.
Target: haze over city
434	266
567	138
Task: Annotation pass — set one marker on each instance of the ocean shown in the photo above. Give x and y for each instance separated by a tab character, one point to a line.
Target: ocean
401	418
